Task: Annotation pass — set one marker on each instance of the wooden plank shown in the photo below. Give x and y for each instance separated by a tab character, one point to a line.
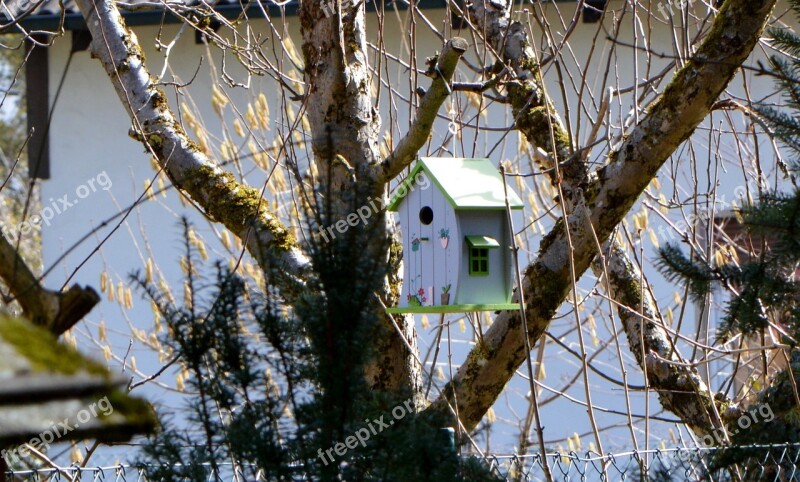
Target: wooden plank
37	95
453	308
43	387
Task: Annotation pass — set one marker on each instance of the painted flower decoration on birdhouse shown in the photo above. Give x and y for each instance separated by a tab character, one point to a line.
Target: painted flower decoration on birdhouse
417	299
445	296
444	237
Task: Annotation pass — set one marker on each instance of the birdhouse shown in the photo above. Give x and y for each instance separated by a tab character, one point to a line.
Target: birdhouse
457	254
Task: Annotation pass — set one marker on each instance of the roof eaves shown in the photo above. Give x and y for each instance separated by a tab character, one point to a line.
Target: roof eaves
481	241
513	201
405	186
44	380
73	20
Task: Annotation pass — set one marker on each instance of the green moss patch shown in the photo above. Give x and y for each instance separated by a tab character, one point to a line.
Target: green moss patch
136	412
43	351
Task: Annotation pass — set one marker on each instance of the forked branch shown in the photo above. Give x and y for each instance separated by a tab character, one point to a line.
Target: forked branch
57	311
442	71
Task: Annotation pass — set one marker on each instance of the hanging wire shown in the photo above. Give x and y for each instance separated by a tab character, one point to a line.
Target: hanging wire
453	126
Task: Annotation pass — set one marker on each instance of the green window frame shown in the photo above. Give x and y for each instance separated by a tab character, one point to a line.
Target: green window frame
479	262
479	247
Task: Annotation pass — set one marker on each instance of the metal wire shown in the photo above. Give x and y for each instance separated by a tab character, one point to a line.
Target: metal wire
740	463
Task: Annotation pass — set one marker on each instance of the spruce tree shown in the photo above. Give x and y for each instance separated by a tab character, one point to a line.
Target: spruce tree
273	391
763	289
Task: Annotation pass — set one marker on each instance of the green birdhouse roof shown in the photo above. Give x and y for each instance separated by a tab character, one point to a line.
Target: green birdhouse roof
467	183
482	242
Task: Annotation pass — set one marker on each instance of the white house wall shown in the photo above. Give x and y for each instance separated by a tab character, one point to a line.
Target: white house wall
88	138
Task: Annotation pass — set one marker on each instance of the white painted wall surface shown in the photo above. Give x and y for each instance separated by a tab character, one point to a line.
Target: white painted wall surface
496	286
432	266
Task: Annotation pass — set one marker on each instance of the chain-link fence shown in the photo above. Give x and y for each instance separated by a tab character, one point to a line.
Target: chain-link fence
741	463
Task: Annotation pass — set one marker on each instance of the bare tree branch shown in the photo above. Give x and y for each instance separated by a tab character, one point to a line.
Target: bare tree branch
406	150
54	310
239	207
670	121
680	389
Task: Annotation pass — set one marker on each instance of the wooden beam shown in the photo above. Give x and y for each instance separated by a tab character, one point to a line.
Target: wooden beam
37	96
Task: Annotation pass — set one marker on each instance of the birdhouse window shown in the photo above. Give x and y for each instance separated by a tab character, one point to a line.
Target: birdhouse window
479	247
426	215
479	262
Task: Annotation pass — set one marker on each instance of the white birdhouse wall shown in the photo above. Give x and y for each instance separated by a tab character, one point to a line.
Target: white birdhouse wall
496	285
431	248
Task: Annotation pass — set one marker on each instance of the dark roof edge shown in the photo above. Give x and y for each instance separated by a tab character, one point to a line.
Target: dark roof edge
74	20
